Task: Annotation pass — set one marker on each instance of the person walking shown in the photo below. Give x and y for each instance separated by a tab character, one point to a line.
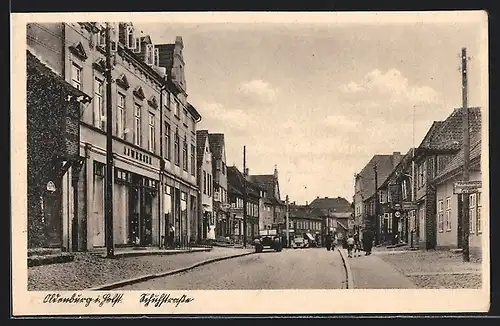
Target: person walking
368	241
350	245
328	241
357	244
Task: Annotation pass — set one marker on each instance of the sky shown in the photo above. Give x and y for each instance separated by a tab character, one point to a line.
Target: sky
318	100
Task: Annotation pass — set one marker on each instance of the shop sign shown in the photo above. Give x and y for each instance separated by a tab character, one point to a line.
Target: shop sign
466	187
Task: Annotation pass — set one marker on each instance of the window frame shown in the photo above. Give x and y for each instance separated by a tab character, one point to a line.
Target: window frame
472	213
168	145
185	163
137	124
151	132
193	160
76	83
479	229
98	104
177	149
121	109
448	214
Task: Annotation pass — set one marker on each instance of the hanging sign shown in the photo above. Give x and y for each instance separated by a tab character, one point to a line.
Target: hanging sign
51	186
466	187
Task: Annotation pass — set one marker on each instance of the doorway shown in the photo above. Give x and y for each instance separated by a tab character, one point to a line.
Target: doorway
140	216
52	219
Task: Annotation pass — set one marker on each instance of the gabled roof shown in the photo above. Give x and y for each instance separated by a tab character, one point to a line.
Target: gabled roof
366	177
456	163
336	204
302	211
448	135
201	137
236	180
216	145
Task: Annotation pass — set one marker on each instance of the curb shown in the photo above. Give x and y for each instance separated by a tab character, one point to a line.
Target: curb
153	253
139	279
347	266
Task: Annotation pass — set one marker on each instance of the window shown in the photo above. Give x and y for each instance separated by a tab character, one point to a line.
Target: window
381	197
184	117
478	217
137	48
193	125
99	118
149	54
156	59
167	141
151	133
440	216
176	149
472	213
185	154
177	108
193	161
130	37
448	214
76	76
204	182
120	116
209	190
137	125
101	37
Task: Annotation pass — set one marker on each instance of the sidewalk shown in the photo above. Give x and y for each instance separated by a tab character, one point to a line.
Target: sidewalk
435	269
371	272
92	270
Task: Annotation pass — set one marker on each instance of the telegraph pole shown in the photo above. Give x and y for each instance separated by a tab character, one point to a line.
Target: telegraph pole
108	202
244	198
377	223
287	223
466	149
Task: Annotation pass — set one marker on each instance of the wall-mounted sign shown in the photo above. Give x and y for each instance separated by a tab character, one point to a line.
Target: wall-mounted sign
466	187
136	155
51	186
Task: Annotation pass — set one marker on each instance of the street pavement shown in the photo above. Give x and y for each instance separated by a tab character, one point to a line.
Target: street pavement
311	268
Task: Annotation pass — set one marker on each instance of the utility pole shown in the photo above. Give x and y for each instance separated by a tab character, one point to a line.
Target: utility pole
415	219
377	223
287	223
466	149
108	202
244	198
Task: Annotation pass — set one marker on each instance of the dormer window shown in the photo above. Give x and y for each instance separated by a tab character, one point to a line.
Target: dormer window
156	60
130	40
149	54
137	47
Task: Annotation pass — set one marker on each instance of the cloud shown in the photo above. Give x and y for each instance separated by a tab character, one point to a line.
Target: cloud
388	95
217	114
258	91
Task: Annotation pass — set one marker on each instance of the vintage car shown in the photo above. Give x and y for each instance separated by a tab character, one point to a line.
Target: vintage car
299	242
268	239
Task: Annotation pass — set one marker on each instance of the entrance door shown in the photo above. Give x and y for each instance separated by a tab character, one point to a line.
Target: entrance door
134	212
52	220
147	218
98	210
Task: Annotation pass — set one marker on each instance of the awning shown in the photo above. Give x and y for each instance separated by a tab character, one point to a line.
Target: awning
309	236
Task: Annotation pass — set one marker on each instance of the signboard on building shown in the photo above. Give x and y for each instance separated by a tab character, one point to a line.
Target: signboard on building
466	187
408	206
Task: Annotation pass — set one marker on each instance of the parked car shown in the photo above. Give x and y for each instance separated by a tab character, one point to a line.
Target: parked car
268	239
300	242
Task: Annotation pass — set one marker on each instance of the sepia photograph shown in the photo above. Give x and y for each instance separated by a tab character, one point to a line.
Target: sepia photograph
178	158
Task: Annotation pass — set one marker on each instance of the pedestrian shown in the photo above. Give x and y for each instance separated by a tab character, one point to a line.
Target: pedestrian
368	241
357	244
328	241
334	240
350	245
171	236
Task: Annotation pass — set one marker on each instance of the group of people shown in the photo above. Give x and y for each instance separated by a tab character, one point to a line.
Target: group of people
355	245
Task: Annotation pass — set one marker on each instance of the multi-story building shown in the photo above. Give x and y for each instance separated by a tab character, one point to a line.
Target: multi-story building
440	145
205	182
307	222
366	200
220	198
336	210
271	207
239	185
153	136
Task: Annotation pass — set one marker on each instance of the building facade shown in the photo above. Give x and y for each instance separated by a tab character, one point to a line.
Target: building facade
154	181
219	172
337	215
205	182
307	222
238	185
272	209
449	205
442	142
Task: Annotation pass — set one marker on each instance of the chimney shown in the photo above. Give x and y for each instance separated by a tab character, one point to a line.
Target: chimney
317	197
396	158
275	171
326	197
307	203
246	173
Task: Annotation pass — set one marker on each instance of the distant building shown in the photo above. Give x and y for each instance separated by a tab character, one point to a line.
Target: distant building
336	214
205	182
307	222
238	185
219	172
365	193
272	209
